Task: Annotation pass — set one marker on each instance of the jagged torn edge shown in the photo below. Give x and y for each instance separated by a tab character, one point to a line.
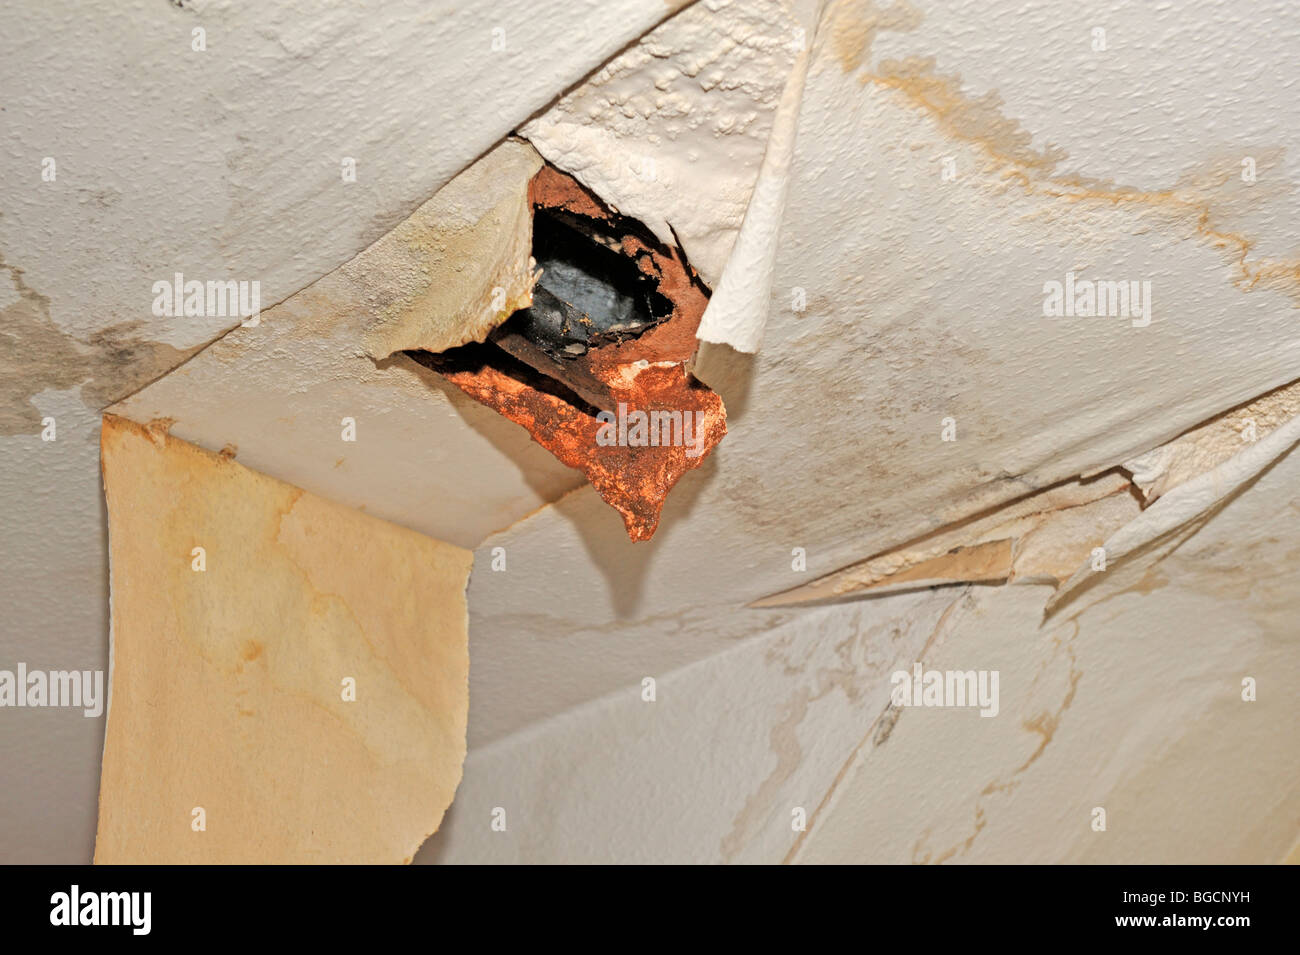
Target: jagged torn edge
737	311
1188	501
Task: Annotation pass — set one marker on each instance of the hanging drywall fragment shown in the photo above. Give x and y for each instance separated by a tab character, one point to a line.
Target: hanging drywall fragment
1210	444
737	313
308	690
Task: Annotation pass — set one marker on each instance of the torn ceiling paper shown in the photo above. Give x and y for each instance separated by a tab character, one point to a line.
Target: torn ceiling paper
1188	502
461	264
288	676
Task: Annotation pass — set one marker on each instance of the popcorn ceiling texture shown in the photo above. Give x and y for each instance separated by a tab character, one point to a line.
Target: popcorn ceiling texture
672	130
886	296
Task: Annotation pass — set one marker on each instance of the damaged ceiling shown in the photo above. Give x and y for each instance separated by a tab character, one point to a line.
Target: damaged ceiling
854	210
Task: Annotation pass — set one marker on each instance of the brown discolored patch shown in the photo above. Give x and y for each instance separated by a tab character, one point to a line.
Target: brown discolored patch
35	355
558	401
123	361
1199	203
975	119
852	26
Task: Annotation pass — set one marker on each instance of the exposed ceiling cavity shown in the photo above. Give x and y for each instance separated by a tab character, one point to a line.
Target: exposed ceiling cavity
597	366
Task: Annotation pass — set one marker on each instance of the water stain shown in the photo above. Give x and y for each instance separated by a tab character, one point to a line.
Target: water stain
1044	724
851	28
784	741
974	119
1207	201
35	355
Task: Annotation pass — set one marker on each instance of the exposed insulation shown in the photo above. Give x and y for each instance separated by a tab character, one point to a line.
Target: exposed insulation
293	692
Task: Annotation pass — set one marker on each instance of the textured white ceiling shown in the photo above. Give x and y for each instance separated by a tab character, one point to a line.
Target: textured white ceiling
923	302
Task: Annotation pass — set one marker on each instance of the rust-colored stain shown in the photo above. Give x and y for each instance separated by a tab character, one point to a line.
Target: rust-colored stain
552	189
1197	201
634	480
645	374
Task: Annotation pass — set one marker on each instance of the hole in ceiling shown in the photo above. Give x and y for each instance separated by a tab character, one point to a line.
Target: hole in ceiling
611	329
590	293
476	357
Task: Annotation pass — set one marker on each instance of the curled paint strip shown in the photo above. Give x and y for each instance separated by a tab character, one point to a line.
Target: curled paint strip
1189	500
